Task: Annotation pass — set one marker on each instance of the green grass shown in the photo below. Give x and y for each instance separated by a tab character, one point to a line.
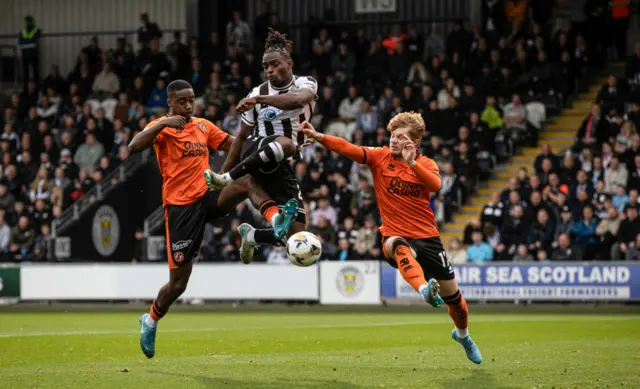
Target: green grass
260	350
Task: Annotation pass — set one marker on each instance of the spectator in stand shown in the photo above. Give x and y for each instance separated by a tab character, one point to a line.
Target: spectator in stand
88	153
565	251
620	199
615	175
22	240
610	97
5	233
479	251
367	240
542	231
593	130
148	32
515	119
456	254
629	229
607	233
584	232
239	33
633	254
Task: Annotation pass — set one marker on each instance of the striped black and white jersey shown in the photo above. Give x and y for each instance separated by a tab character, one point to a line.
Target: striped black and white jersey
273	121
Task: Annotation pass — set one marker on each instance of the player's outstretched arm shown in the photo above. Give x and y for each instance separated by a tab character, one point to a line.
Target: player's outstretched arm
233	153
333	143
288	101
145	138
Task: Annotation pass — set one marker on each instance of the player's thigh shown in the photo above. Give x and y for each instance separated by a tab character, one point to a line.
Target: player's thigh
232	195
184	232
432	257
179	276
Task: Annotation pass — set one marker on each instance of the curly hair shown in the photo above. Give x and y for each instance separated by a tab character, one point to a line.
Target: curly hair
409	119
277	42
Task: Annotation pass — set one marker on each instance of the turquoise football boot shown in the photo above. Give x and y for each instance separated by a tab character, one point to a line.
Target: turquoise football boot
430	293
473	353
285	219
147	337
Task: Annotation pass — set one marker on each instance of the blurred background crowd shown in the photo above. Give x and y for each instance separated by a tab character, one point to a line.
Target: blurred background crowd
486	93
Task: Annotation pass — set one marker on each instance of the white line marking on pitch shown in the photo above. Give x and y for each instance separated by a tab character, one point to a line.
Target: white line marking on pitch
443	320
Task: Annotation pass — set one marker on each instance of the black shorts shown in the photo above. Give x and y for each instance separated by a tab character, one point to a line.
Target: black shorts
277	178
430	255
184	225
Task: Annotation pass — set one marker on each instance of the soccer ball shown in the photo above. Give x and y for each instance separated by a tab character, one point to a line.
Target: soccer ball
303	249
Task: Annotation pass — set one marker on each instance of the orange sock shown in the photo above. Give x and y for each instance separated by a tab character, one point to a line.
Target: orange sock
269	209
458	309
409	268
156	313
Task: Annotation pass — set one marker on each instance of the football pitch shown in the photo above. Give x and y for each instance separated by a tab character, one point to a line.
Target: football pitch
310	348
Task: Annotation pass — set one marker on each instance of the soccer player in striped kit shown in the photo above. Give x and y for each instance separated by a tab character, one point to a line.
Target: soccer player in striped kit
268	139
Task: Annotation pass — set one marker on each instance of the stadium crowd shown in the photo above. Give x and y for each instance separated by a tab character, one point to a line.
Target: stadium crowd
483	93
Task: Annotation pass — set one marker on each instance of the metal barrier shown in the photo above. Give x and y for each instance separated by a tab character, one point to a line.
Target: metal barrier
98	192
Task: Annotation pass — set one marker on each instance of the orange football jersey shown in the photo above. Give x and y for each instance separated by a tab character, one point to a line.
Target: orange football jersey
402	198
183	156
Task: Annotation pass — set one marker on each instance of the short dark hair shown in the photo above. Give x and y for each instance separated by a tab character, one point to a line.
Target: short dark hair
178	85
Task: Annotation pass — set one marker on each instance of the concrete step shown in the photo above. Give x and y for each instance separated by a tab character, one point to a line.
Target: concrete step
591	96
455	227
524	159
568	119
563	126
450	235
583	104
577	112
472	208
465	218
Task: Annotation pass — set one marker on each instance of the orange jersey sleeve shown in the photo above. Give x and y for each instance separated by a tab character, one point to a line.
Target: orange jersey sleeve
362	155
403	194
216	138
183	156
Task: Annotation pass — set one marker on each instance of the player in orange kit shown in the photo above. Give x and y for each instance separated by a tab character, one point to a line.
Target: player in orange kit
403	180
182	144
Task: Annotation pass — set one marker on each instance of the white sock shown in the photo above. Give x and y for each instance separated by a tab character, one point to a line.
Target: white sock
462	332
150	322
251	236
273	219
227	178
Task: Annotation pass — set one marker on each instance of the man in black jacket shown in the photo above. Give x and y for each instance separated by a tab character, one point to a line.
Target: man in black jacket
629	229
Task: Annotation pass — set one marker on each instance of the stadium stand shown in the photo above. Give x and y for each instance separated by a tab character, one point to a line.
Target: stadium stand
487	96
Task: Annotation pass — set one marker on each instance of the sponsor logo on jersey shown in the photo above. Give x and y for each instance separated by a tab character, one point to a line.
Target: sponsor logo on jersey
403	188
194	149
180	245
270	114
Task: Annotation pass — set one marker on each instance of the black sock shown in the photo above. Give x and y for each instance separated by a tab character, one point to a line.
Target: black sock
266	157
264	236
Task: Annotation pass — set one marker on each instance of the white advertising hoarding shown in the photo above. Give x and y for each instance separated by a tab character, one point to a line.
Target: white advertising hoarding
142	281
351	282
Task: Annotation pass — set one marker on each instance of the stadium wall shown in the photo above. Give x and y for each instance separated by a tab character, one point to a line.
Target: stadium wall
68	25
351	282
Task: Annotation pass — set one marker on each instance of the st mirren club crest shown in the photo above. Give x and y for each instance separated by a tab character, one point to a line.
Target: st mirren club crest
105	230
202	126
350	281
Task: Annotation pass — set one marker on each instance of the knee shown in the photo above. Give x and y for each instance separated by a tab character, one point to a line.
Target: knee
287	146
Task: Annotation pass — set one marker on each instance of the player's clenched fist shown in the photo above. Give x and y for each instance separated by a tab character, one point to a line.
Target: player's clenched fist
246	104
175	121
310	132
